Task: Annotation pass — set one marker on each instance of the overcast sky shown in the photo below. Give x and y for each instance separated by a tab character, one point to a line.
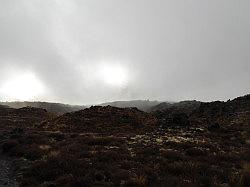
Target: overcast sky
91	51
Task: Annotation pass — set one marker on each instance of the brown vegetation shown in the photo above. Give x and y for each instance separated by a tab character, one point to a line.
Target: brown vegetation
108	146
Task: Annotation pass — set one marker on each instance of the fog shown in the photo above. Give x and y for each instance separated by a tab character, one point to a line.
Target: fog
93	51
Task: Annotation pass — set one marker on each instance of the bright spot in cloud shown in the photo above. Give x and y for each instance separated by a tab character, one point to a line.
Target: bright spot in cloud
22	88
114	75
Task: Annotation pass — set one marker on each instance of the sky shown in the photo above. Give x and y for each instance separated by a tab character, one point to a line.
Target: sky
93	51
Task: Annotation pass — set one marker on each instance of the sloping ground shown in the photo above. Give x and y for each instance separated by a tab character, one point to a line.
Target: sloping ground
103	120
235	112
219	108
26	117
15	118
108	146
231	113
164	157
7	177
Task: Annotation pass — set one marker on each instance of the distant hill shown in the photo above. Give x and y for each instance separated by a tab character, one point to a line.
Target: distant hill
183	106
3	106
144	105
57	108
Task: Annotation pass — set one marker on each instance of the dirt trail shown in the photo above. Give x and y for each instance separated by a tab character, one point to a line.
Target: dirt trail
7	179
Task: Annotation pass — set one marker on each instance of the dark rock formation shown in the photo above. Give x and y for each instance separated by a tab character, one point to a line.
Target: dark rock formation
103	119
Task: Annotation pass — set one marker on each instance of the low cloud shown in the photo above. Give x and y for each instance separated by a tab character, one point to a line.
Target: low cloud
171	50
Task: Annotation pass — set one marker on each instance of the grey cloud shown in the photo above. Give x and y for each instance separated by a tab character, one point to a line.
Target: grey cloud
173	50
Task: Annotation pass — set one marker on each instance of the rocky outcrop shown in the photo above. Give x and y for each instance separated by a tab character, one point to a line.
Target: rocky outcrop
24	117
103	119
232	112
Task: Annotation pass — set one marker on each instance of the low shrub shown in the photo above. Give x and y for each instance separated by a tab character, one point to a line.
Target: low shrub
245	176
138	181
172	155
9	144
54	167
194	152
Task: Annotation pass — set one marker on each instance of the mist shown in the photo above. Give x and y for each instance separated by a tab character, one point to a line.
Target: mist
90	51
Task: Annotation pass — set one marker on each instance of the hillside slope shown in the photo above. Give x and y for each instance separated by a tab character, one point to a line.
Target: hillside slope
57	108
103	119
110	146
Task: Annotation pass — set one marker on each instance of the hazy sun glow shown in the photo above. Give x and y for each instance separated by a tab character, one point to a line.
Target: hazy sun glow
114	75
22	87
